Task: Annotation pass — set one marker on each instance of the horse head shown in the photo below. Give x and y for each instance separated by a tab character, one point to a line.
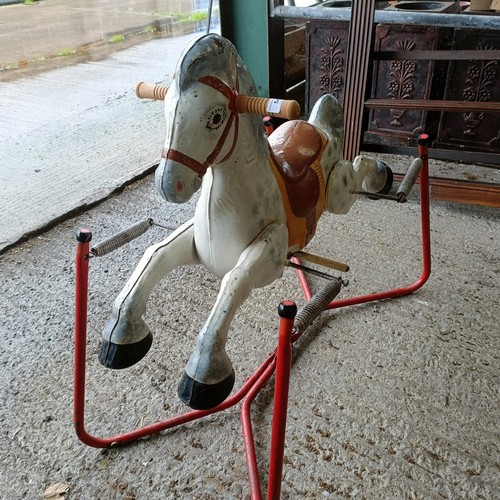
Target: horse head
200	110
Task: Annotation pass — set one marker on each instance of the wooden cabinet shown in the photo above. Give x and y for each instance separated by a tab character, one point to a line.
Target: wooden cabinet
416	79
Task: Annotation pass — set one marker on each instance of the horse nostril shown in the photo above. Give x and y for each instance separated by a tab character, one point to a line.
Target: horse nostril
180	186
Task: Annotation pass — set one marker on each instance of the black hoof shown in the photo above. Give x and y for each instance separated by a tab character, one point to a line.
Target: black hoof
387	186
118	356
388	183
201	396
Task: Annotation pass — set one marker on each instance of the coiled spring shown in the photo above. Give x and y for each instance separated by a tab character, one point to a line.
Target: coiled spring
121	238
316	305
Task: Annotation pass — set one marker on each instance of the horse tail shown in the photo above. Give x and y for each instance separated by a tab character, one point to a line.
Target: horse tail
328	116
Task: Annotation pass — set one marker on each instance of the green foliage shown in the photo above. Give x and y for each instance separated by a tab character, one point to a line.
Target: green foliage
198	16
116	39
183	17
66	52
193	17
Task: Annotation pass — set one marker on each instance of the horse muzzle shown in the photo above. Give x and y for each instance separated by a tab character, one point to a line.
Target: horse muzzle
175	182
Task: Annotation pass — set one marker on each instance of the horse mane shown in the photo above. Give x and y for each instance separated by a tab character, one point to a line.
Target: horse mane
214	55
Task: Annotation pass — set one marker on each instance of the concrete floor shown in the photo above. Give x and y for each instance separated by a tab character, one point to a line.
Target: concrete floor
390	400
73	135
53	157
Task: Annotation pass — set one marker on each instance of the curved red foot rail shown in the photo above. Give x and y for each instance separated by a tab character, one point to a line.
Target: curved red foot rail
280	358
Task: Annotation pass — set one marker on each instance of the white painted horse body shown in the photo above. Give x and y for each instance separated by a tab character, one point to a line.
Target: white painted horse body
239	231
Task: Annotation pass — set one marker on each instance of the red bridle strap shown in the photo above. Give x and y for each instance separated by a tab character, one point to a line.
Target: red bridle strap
195	165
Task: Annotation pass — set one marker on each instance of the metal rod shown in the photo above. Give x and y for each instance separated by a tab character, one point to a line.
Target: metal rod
426	247
209	20
377	195
434	105
246	424
388	17
491	160
321	261
83	238
310	270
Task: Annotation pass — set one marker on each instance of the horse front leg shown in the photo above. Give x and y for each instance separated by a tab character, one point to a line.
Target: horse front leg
126	336
209	375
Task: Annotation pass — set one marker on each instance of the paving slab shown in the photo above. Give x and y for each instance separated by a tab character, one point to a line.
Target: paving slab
71	136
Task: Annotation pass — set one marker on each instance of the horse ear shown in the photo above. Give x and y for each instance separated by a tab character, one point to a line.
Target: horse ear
233	67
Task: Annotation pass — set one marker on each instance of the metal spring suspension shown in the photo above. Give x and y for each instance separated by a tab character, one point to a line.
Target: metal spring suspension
316	305
119	239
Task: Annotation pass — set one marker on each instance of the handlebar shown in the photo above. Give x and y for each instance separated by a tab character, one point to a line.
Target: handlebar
279	108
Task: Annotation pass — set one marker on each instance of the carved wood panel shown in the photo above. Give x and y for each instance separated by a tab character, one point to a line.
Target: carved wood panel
474	81
326	57
405	79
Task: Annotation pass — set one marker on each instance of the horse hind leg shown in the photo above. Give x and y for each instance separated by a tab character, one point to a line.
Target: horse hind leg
126	338
378	178
209	376
346	178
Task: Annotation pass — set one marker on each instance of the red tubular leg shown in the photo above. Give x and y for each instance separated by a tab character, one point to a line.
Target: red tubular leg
287	311
83	238
423	146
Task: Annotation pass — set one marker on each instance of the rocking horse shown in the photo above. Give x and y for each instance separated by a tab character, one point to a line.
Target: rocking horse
260	202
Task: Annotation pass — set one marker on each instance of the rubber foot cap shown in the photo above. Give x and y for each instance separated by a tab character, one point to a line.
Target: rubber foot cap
119	356
201	396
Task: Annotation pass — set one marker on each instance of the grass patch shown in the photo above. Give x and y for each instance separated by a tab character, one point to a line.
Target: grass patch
66	52
116	39
198	17
183	17
149	29
193	18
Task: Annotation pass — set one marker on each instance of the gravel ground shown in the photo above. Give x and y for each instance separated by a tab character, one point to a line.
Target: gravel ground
397	399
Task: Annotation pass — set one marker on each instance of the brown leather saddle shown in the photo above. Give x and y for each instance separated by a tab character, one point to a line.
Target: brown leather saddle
294	146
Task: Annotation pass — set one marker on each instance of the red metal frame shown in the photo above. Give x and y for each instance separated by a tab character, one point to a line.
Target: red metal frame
426	246
278	361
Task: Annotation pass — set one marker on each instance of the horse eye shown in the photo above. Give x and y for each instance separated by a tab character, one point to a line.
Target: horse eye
216	118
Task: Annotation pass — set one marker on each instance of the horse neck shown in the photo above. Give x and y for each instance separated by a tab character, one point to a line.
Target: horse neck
251	152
